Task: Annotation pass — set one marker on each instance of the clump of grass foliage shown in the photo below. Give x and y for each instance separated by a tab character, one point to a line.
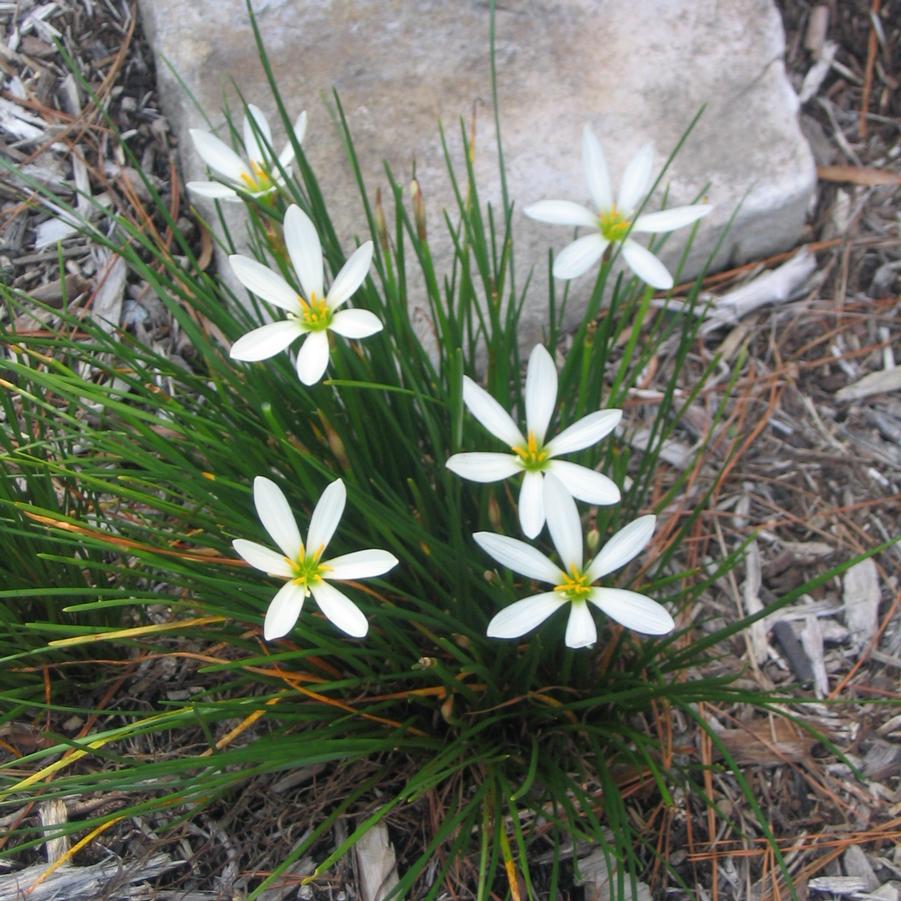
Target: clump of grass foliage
126	477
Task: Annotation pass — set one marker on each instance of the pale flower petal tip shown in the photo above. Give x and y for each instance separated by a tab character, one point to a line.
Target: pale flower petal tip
581	631
634	611
213	190
523	616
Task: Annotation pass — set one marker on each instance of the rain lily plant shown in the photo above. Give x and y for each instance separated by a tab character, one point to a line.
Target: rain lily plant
302	564
520	746
613	221
533	456
312	314
259	175
573	582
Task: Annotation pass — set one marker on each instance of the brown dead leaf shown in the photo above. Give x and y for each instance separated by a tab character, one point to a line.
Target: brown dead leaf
767	743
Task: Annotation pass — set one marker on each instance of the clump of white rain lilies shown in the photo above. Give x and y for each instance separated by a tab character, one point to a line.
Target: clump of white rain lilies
549	486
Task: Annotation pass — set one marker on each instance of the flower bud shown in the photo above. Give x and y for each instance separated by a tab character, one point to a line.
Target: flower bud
418	209
381	226
494	514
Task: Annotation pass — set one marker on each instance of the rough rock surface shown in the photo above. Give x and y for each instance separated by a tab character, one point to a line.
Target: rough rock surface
635	71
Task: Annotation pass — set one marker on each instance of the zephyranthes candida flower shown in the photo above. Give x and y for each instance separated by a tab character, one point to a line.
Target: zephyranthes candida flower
312	314
302	564
259	175
612	220
573	582
532	455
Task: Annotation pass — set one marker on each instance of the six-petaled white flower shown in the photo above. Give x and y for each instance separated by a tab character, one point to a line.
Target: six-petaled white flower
260	174
532	455
312	314
573	582
302	564
612	220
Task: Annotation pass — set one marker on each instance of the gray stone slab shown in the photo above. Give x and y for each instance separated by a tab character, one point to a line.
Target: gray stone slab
635	71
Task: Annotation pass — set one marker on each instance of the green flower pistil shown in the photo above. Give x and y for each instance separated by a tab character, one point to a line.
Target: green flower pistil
315	313
576	586
613	224
533	457
258	180
307	571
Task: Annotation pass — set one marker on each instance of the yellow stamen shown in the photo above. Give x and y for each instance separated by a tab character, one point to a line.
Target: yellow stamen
307	569
259	180
613	224
532	456
315	313
575	585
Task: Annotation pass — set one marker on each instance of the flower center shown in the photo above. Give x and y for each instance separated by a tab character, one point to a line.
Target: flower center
315	313
613	224
307	570
576	586
533	456
259	181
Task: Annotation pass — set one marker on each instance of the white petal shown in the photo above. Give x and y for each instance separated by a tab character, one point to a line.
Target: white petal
627	543
671	219
584	432
633	610
646	266
596	173
479	467
561	212
286	157
262	281
541	392
305	250
355	323
214	190
351	276
265	342
312	358
340	609
253	145
490	413
531	504
585	484
276	516
326	516
522	558
283	611
262	558
524	615
361	564
581	632
636	180
218	155
577	258
563	523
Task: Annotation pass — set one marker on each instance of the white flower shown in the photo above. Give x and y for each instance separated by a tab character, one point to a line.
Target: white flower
613	220
303	567
313	314
532	455
574	583
259	175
